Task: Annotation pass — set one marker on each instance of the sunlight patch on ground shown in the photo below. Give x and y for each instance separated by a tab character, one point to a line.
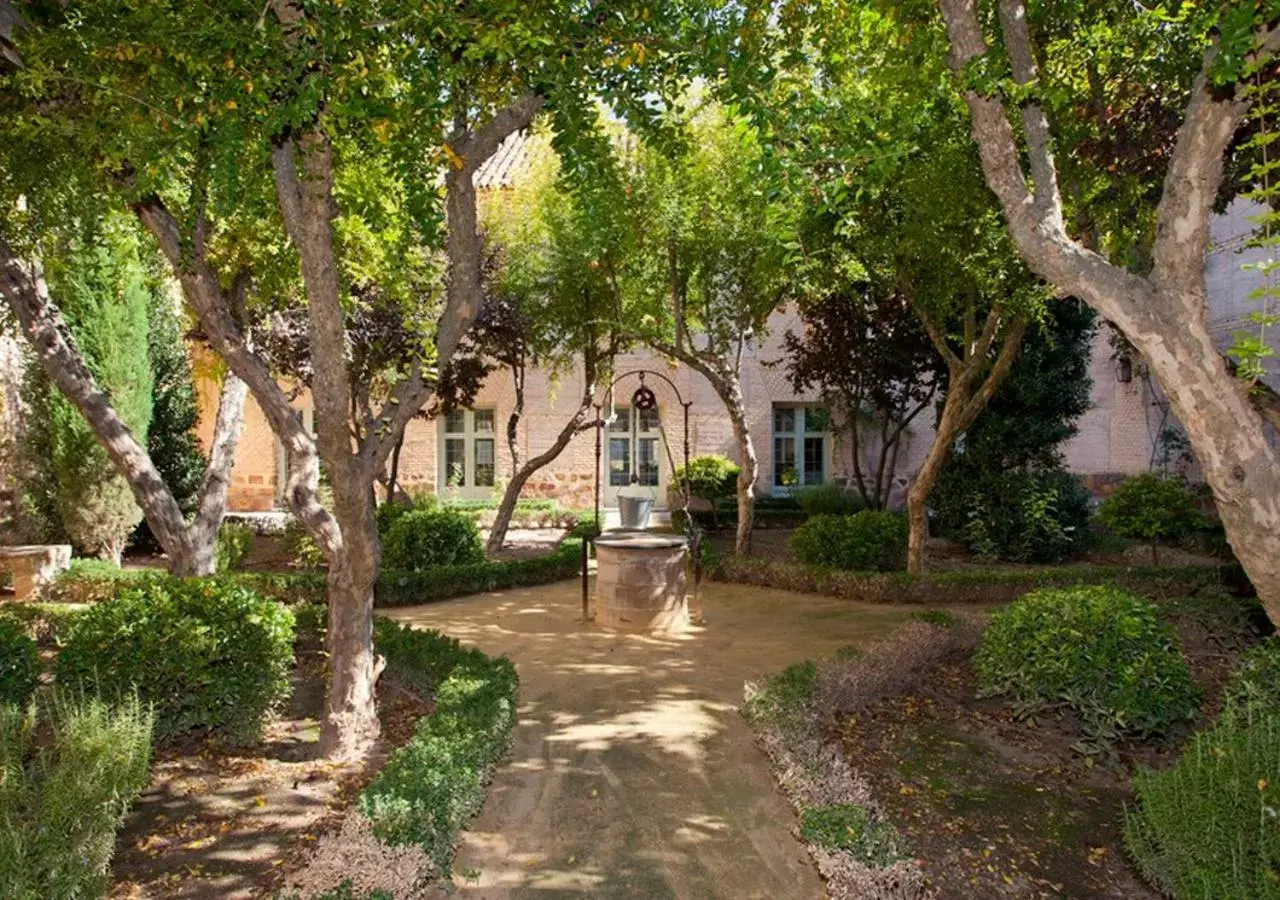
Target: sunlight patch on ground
676	726
698	829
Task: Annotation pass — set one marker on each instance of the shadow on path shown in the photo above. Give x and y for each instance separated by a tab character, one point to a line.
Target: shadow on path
632	774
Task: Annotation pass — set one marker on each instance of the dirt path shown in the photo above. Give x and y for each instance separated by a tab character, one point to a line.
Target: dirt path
632	774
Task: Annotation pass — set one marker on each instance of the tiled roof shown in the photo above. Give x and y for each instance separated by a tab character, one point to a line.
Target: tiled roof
506	165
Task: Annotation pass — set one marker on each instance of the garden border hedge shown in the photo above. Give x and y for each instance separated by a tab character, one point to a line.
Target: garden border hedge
91	582
433	785
979	585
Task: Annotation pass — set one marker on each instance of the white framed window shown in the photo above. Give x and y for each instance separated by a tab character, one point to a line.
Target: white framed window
800	446
468	453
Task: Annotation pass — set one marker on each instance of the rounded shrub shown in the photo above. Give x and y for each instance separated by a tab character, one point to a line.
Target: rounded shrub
206	653
1206	827
1254	687
1098	651
389	513
829	500
1018	515
19	662
1151	507
422	538
871	540
710	477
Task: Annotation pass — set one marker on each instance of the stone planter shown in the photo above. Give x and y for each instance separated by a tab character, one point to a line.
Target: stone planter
34	566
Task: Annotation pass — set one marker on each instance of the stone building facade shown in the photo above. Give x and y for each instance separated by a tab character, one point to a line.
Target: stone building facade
1128	429
1116	436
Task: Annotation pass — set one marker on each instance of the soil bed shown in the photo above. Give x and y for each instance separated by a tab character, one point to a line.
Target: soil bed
234	822
993	806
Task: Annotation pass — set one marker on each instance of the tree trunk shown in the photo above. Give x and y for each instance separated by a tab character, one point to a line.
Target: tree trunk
502	521
304	187
1241	466
961	407
188	546
350	724
749	466
1162	315
922	487
522	474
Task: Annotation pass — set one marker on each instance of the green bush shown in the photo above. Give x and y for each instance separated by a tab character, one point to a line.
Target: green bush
829	500
710	477
389	513
422	538
872	540
1098	651
1018	515
435	783
1254	688
392	588
65	786
234	541
47	623
19	663
855	829
303	551
981	584
206	653
93	580
1206	827
1151	507
101	285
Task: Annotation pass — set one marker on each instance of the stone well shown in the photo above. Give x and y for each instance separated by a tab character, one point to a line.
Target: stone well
641	582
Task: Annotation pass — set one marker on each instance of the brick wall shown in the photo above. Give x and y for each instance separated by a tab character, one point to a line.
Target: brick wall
1116	435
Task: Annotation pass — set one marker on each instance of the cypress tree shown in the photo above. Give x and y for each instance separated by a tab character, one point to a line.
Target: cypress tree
101	286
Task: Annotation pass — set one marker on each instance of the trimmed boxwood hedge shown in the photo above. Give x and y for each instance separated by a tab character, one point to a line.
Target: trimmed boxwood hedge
976	585
95	583
432	786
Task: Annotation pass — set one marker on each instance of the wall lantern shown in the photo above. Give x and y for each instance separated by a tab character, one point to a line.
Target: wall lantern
1124	370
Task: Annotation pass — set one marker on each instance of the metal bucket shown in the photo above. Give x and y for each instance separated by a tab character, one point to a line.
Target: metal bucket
634	511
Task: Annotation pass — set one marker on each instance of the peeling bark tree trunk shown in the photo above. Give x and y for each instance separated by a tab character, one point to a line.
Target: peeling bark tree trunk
189	546
730	392
350	724
726	382
1163	314
577	423
968	393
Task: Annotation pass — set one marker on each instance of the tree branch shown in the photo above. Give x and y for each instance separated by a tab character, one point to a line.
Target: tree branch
307	206
203	291
211	499
1192	182
1068	267
1035	125
463	243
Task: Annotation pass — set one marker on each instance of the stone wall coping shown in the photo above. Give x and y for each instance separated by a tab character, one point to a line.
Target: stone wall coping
638	541
21	550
